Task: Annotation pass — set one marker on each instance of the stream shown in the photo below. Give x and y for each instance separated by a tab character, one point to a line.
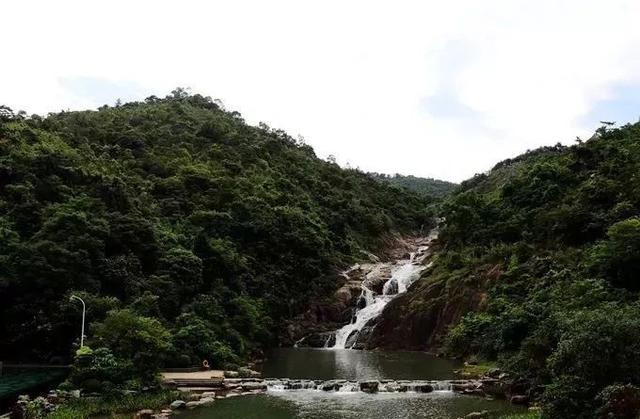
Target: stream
349	364
382	282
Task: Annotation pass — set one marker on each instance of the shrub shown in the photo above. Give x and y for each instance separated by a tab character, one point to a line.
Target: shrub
619	401
143	341
596	349
618	258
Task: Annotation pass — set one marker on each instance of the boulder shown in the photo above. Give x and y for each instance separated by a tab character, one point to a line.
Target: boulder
293	385
351	339
329	386
376	277
253	386
370	386
178	404
318	340
193	404
390	387
392	287
231	374
423	388
363	336
519	399
493	387
144	414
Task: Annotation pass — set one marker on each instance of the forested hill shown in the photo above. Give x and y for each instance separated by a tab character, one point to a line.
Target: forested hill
544	251
175	219
425	186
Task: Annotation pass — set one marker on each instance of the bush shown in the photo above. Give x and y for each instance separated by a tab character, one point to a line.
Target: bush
90	370
596	349
618	258
619	402
142	341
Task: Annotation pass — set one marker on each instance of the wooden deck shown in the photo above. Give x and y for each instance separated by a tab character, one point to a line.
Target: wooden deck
202	380
198	375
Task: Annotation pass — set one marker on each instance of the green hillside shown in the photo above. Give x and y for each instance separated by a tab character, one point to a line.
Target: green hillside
190	234
425	186
543	254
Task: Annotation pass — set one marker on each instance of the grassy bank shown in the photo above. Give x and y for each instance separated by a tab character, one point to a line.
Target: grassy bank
89	407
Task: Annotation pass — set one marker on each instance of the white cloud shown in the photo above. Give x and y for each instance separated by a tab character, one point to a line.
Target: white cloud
356	78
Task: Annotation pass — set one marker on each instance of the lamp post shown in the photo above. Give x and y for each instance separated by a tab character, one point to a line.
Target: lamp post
75	297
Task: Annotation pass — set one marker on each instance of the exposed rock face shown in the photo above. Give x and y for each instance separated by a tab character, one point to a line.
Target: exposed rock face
376	276
351	340
420	318
357	287
361	339
317	340
348	293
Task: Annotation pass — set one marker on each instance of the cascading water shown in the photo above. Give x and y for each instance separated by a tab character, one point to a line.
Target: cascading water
370	304
382	386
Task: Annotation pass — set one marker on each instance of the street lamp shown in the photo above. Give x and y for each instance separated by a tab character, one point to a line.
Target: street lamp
75	297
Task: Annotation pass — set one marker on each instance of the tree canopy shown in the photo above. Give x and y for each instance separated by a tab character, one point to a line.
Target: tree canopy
549	243
173	214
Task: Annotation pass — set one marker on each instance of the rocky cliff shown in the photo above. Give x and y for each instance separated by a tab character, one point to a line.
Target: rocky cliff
420	318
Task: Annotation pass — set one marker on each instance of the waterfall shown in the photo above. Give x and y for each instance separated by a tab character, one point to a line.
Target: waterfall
403	274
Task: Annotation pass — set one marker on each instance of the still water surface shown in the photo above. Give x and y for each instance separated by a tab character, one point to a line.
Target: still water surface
327	364
351	365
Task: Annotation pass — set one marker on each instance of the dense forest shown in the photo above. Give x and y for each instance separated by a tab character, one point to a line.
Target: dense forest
190	234
426	186
543	255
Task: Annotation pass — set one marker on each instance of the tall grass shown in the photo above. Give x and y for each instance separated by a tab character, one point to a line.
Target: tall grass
86	408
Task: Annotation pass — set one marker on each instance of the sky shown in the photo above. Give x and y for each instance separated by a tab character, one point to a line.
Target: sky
441	89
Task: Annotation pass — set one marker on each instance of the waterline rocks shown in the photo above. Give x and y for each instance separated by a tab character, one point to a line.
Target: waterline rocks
236	386
317	340
373	386
369	386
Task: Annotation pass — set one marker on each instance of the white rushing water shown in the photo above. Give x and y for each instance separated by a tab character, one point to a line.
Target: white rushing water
403	274
346	386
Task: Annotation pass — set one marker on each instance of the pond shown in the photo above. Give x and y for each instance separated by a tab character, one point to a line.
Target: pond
327	364
16	380
351	365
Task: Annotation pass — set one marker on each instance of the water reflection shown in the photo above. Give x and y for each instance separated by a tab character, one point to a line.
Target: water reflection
322	405
360	366
350	365
355	365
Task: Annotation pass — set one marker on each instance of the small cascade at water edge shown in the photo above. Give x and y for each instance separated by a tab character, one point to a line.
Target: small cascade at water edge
404	272
367	386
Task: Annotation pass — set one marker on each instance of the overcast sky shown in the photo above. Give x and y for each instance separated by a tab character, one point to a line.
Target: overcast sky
441	89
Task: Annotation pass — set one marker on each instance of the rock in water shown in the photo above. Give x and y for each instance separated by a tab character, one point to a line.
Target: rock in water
318	340
391	287
370	386
351	340
423	388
